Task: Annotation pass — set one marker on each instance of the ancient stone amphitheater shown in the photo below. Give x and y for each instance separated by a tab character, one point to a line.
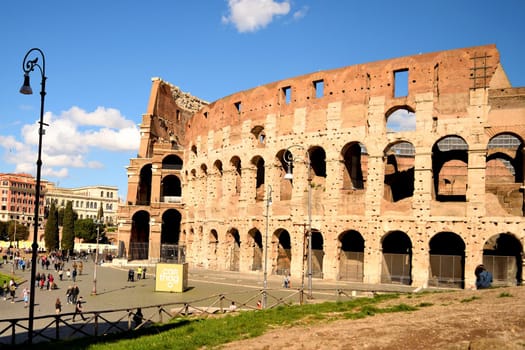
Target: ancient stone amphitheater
406	171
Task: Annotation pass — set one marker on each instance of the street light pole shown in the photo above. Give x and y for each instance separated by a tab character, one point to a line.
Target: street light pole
265	283
289	159
94	292
29	66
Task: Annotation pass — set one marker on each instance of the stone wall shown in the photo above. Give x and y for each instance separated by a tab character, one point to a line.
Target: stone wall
234	158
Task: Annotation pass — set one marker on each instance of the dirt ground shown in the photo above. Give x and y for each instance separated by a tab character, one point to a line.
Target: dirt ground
466	319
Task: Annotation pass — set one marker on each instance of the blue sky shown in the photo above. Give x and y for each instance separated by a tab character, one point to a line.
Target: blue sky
101	55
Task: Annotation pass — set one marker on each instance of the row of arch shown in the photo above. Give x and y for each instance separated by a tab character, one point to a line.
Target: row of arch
230	250
450	157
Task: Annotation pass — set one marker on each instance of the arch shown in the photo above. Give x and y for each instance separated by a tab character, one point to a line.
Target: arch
283	254
317	161
399	171
171	189
235	163
217	176
400	118
397	258
447	260
255	242
450	169
285	188
233	248
503	257
259	135
213	243
317	254
504	175
355	159
258	163
172	162
351	248
170	248
144	186
139	239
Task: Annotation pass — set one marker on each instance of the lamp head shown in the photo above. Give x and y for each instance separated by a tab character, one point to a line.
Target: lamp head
288	176
26	88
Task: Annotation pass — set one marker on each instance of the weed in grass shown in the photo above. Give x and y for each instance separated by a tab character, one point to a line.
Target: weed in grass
505	295
468	300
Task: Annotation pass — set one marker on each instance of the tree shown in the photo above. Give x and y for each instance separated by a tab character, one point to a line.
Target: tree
100	213
4	236
51	231
68	228
17	231
86	230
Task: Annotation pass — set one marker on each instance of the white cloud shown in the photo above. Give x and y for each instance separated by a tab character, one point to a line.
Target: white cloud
252	15
300	13
71	140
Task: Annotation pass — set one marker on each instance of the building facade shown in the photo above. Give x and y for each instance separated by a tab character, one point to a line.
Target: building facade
87	201
408	170
18	199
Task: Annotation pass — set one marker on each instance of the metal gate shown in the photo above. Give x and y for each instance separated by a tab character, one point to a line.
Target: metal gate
351	266
257	258
504	269
138	251
396	269
446	271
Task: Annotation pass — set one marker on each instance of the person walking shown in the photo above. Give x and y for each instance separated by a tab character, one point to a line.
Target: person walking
75	293
58	306
25	294
79	309
12	290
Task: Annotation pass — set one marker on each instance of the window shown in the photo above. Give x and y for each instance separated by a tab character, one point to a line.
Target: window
319	88
401	83
287	94
238	106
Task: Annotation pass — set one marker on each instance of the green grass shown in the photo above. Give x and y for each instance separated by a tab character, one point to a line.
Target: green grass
198	333
468	300
505	295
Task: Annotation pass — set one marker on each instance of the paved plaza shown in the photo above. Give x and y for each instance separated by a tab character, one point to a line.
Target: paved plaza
115	292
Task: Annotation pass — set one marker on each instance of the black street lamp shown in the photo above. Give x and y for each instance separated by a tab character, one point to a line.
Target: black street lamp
28	66
289	159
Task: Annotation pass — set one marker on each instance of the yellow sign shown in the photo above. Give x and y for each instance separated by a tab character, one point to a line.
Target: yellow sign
171	277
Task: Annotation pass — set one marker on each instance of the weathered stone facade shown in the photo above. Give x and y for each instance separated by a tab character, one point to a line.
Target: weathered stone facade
415	187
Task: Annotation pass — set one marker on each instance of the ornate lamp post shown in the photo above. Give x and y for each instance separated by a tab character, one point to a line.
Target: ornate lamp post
265	283
289	159
28	65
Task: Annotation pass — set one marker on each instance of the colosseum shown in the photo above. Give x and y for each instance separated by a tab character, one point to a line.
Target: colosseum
403	171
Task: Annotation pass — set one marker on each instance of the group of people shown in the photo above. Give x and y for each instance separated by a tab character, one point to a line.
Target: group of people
141	273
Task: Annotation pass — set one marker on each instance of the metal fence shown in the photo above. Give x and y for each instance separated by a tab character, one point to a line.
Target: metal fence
396	269
446	271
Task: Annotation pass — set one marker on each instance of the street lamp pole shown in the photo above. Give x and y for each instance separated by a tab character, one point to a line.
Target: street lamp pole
289	159
94	292
265	283
29	66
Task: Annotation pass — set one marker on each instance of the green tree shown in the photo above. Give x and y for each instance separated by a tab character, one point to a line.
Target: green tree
100	213
17	231
68	228
51	231
4	236
86	230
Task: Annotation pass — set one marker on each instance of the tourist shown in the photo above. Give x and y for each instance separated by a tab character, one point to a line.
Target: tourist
79	309
58	306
